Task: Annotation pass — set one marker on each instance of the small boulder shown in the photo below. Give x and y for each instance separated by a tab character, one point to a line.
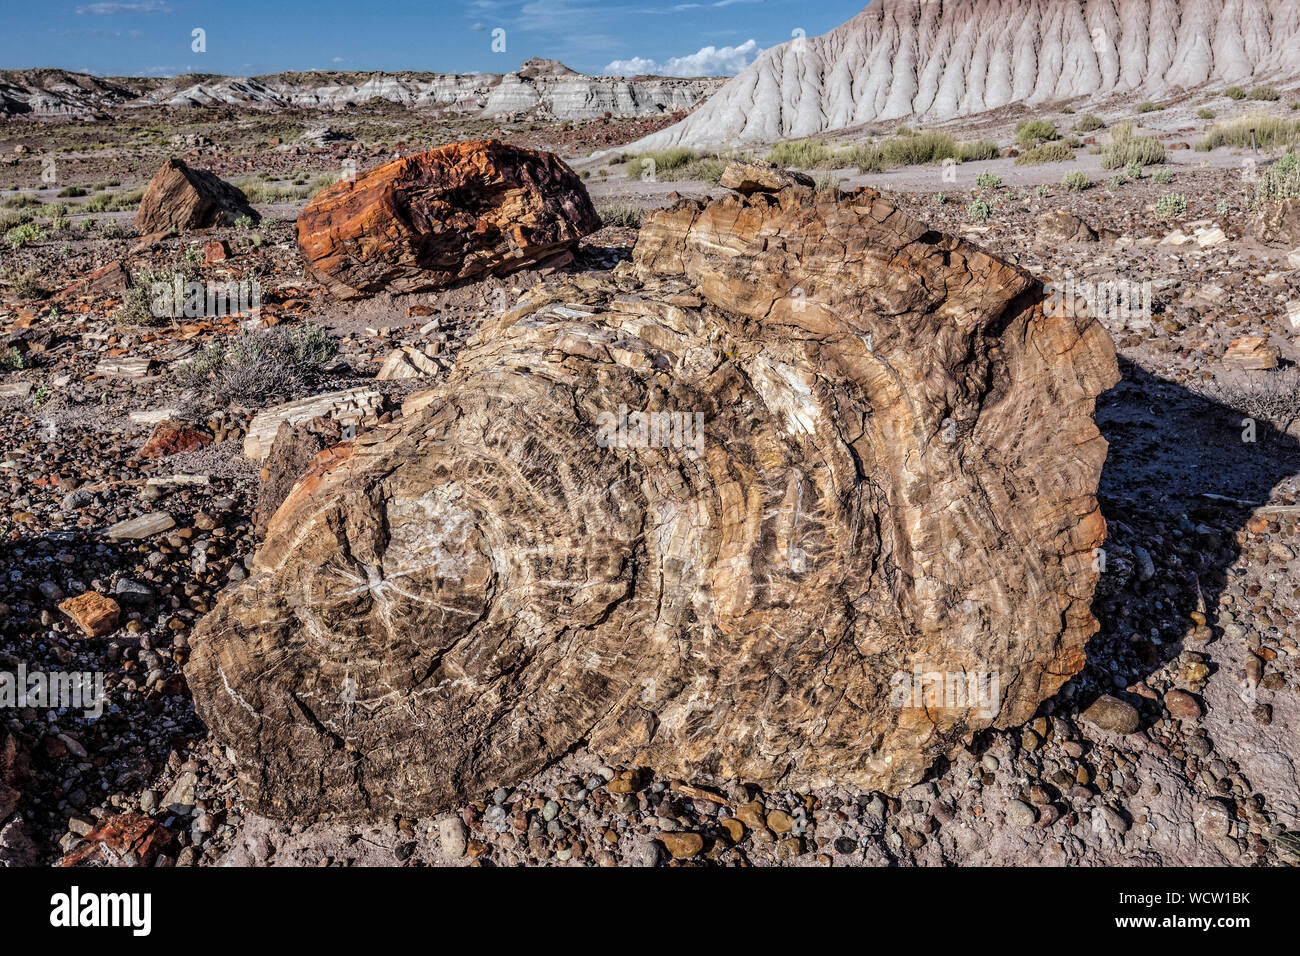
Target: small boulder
1059	226
179	197
93	612
760	177
1111	714
1278	223
171	438
292	451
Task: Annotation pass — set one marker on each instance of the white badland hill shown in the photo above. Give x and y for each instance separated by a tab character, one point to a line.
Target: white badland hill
938	59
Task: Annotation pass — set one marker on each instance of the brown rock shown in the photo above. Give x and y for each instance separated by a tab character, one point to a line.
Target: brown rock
215	251
682	846
93	612
179	197
292	453
758	176
1059	226
1112	714
13	772
125	839
881	442
109	280
172	438
1252	353
462	211
1278	223
1182	705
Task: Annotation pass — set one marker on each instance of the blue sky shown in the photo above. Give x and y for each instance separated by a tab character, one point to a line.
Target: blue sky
246	37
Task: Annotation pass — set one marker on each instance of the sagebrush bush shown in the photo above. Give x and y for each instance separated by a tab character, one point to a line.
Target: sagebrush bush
1046	153
988	181
1143	151
979	210
1206	114
1235	93
1030	133
252	368
1077	181
1270	132
1278	181
1265	94
621	216
1087	122
1171	204
25	235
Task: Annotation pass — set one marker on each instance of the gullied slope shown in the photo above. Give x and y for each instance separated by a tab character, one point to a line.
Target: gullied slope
870	454
938	60
541	87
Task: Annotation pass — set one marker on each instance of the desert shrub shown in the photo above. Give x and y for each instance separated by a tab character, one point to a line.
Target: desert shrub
1149	107
1133	170
1171	204
1077	181
137	306
1119	179
1143	151
127	201
826	182
1272	398
1270	132
69	192
1206	113
1162	177
12	359
662	162
13	217
1046	153
628	216
1030	133
1265	94
970	151
244	223
940	199
988	181
1279	181
253	367
27	285
979	210
801	154
21	201
1236	93
110	229
25	235
1087	123
59	223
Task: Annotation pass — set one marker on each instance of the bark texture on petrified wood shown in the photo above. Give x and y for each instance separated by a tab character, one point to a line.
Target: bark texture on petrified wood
461	211
896	469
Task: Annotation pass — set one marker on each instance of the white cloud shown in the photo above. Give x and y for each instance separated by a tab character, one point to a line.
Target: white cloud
709	61
108	9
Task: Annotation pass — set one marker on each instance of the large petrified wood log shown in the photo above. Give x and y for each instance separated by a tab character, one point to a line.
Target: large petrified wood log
870	454
180	197
457	212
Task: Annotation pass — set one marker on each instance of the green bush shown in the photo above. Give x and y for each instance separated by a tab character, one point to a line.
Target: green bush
914	149
1119	179
1087	123
25	235
1171	204
801	154
1143	151
254	367
1264	93
1030	133
1279	181
988	181
1235	93
1046	153
68	192
1148	107
1270	132
628	216
1162	177
979	210
1076	181
1205	113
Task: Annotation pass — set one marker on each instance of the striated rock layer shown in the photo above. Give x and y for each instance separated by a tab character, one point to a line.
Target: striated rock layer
937	60
457	212
871	454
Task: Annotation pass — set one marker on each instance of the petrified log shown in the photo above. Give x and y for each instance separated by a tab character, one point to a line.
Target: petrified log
458	212
870	456
180	197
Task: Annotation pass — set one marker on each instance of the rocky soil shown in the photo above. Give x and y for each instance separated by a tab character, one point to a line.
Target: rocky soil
1175	745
